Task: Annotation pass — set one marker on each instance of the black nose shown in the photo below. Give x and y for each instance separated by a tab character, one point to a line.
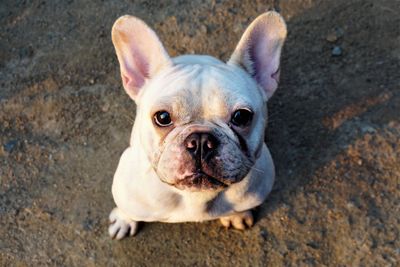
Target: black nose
201	145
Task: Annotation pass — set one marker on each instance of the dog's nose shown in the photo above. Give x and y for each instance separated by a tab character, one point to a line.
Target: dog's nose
201	145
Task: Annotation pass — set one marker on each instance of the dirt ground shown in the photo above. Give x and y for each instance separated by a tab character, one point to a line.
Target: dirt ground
334	133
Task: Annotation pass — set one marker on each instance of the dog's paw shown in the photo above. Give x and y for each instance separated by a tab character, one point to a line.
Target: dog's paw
239	220
120	226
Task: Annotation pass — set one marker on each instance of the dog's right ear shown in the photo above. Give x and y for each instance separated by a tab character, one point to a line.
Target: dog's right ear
259	50
140	53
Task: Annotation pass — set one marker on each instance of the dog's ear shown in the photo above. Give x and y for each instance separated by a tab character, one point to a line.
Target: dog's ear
140	53
259	50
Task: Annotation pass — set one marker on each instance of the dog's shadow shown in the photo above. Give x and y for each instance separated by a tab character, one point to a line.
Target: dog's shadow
325	103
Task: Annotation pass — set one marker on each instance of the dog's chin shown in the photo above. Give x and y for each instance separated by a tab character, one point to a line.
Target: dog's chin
200	182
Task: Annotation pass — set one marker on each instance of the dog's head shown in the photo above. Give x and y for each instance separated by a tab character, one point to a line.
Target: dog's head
201	121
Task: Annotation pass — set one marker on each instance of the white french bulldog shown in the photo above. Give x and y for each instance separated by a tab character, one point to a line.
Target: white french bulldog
197	147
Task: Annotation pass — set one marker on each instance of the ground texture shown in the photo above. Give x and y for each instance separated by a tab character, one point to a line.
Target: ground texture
334	133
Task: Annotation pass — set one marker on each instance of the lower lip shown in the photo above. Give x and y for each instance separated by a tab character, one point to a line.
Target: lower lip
201	182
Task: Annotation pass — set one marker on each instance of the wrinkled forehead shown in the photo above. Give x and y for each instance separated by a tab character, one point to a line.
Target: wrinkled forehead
208	90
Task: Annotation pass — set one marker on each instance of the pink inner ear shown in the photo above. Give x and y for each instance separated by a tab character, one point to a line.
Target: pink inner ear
264	55
132	83
136	70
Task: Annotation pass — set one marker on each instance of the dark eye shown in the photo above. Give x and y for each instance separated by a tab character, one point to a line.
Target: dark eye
241	117
162	118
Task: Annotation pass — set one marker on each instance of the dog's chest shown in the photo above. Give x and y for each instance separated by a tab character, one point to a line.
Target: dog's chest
199	207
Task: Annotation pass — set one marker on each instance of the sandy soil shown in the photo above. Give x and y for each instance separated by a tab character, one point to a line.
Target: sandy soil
334	134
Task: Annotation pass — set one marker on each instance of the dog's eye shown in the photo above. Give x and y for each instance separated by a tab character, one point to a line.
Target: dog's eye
162	118
241	117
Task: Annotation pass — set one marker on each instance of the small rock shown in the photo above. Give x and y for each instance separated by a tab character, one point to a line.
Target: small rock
238	27
105	107
313	245
336	51
264	234
331	37
368	129
335	35
88	225
91	81
203	29
339	32
9	146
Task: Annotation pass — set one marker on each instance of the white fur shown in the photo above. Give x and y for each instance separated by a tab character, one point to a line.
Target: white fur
215	89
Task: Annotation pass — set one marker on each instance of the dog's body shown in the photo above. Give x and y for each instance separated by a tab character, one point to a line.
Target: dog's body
197	148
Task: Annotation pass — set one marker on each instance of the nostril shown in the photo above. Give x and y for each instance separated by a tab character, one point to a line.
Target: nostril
191	144
209	142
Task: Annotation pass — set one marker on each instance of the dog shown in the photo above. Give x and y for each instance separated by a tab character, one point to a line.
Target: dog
197	148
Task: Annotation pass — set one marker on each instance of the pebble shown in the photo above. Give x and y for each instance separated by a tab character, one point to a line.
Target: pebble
203	29
331	38
337	51
313	245
105	107
9	146
368	129
335	35
264	234
339	32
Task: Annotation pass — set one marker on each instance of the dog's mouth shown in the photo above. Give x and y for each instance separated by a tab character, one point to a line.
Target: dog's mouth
200	181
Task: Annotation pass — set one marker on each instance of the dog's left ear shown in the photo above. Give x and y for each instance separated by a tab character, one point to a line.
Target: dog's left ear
140	53
259	50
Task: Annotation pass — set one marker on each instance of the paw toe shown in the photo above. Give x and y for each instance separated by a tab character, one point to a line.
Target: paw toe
238	223
121	227
249	219
225	222
133	228
113	230
122	232
240	220
113	215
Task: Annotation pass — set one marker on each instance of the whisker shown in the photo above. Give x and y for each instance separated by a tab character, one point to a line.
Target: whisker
258	170
130	119
254	168
128	116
